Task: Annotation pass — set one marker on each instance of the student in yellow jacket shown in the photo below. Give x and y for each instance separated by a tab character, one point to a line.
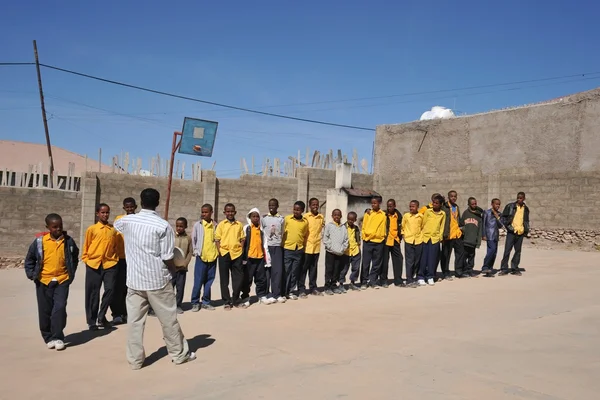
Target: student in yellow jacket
432	232
453	238
412	224
373	237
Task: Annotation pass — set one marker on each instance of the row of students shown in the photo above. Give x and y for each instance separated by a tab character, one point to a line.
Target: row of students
277	254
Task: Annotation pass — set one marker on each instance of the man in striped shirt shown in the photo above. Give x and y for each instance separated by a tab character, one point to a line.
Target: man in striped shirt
149	245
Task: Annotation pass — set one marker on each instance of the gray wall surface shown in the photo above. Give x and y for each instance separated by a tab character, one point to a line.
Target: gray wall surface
550	151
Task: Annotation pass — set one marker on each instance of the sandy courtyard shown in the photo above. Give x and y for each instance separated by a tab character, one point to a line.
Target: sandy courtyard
530	337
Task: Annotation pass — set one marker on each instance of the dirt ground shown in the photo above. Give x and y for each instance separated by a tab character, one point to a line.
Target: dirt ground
531	337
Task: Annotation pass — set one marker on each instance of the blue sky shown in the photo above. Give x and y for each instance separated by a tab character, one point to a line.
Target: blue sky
273	55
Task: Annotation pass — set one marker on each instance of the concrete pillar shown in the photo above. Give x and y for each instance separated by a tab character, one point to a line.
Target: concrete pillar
343	175
209	181
336	198
303	178
90	196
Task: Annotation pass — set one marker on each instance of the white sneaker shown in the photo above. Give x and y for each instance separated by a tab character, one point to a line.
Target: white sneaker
265	300
292	296
281	299
51	344
421	282
430	282
247	303
59	345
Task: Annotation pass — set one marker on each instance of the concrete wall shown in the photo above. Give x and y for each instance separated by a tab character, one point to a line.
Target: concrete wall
22	214
550	151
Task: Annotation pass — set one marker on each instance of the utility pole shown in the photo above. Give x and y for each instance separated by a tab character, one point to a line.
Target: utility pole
39	76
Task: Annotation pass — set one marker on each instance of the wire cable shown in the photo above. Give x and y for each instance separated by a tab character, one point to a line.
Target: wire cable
177	96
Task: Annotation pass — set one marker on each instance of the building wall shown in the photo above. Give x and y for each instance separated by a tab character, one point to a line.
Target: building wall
550	151
22	214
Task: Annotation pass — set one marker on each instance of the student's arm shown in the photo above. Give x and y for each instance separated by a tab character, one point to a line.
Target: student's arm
218	238
89	236
443	224
403	227
479	235
242	236
190	252
74	256
346	240
167	246
31	260
327	237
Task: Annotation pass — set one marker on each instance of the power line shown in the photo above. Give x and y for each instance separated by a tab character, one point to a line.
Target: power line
177	96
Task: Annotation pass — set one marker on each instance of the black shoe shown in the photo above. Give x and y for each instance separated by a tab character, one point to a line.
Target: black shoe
516	272
93	328
354	287
104	323
503	273
488	273
474	274
462	276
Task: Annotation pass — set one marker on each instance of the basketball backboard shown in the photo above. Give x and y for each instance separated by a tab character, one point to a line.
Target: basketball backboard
198	137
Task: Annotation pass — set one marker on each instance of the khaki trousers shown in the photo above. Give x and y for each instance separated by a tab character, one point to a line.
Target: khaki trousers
164	305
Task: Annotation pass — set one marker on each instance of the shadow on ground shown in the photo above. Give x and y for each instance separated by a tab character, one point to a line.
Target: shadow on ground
85	336
195	343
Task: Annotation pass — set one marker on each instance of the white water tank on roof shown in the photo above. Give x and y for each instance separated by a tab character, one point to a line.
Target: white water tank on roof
437	112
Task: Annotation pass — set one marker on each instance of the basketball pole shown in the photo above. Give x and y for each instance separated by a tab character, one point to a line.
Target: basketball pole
174	148
39	77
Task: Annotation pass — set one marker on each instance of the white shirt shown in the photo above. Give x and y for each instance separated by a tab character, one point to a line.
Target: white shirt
149	240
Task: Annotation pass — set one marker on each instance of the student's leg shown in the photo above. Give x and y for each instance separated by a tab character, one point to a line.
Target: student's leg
45	306
224	268
377	260
137	311
432	256
355	270
93	281
365	271
329	261
345	268
268	279
249	272
417	260
337	268
200	273
397	260
298	262
164	305
277	274
508	245
237	279
459	256
490	255
260	277
469	259
109	278
423	265
303	272
385	265
288	263
211	272
409	254
117	305
312	272
59	311
445	257
181	278
516	260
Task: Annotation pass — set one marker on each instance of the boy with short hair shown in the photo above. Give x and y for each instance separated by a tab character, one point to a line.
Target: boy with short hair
412	224
492	223
373	236
335	239
295	234
183	243
453	239
516	220
205	250
472	231
117	307
272	224
430	205
51	263
352	254
100	257
316	222
393	229
432	232
229	238
255	256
